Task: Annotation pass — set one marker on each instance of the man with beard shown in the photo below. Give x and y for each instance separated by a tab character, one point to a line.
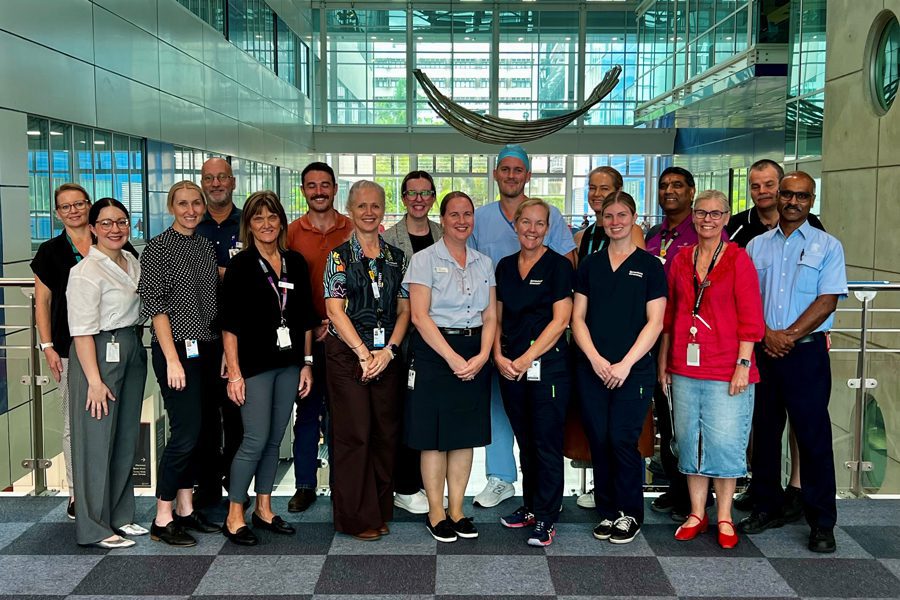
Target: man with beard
314	235
802	275
222	424
495	235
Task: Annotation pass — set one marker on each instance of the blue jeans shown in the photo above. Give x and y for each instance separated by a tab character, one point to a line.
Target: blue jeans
308	426
499	459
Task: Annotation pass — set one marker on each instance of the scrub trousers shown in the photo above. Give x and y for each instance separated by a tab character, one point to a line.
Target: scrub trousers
103	449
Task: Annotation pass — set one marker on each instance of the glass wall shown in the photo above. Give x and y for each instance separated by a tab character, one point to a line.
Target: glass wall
610	40
211	11
806	82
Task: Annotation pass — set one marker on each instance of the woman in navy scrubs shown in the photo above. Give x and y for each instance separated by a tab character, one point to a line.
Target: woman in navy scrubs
534	304
620	301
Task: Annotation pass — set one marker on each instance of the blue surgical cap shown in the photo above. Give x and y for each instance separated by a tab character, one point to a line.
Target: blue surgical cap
516	151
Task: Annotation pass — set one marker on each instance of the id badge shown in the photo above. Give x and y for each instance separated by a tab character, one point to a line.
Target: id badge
375	290
693	355
378	334
191	348
286	285
284	337
411	379
232	252
534	371
112	352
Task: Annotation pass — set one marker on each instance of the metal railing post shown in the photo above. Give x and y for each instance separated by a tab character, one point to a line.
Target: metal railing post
37	400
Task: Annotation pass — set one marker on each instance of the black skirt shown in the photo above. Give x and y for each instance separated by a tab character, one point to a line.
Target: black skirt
444	412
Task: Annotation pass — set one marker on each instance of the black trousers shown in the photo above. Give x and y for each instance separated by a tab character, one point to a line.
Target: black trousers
795	387
677	481
537	413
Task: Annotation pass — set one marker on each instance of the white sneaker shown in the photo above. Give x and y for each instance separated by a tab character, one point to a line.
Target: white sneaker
133	529
586	500
416	504
495	492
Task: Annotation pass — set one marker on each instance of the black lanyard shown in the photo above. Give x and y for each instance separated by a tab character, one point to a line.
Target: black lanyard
700	286
593	236
280	297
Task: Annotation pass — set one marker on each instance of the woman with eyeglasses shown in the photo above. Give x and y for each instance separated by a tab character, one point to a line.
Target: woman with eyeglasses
368	309
414	232
179	286
106	380
713	319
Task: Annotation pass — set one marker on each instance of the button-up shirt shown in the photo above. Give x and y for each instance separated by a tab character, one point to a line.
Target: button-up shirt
458	294
101	296
224	235
316	246
794	271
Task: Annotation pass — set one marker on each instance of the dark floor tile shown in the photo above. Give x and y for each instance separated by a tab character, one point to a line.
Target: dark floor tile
492	539
607	575
27	509
879	541
663	543
255	597
49	539
481	597
311	538
377	575
838	578
145	575
6	597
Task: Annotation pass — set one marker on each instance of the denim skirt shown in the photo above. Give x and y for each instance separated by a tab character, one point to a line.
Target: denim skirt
711	427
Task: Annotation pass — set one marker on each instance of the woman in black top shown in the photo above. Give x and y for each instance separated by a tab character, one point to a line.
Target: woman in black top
178	290
267	321
620	300
369	313
602	181
534	304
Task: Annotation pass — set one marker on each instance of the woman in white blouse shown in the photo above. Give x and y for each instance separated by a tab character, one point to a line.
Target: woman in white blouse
106	380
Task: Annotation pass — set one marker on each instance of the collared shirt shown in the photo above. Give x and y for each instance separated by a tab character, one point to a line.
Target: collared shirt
495	235
794	271
179	279
224	235
315	246
101	296
458	294
746	225
673	239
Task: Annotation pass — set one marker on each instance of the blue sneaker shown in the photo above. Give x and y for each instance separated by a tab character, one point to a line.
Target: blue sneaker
542	535
523	517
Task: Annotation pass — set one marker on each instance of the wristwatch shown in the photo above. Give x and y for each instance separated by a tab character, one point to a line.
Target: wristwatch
394	349
308	360
744	362
44	345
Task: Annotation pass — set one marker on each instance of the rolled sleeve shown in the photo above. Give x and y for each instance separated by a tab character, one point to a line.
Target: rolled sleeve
83	296
335	277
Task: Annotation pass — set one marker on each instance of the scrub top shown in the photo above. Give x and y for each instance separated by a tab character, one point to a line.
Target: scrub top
528	303
617	302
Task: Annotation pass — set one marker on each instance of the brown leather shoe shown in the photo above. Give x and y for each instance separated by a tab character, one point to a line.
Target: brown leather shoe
369	535
384	529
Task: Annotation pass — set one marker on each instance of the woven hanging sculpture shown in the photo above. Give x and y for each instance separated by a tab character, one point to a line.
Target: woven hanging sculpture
494	130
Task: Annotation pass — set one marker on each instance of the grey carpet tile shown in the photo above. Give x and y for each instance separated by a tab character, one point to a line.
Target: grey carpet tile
373	597
608	575
504	597
879	541
37	575
207	544
405	538
18	509
27	597
725	577
791	542
399	574
868	512
577	539
260	576
843	578
57	514
49	539
493	576
661	539
10	531
562	597
493	539
145	575
311	538
255	597
892	565
114	597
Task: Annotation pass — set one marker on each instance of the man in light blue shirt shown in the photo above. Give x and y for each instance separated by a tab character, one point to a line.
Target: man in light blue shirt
802	276
495	235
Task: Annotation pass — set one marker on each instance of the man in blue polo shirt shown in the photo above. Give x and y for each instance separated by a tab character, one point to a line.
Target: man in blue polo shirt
495	235
802	276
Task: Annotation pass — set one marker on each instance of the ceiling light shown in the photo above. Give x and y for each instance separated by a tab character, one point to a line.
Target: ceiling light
99	143
33	132
56	133
615	39
420	38
521	39
374	37
568	39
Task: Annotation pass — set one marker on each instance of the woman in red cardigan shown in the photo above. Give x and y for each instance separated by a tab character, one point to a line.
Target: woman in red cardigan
713	318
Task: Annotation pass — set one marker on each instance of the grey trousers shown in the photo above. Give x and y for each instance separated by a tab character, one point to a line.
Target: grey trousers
266	411
103	450
67	430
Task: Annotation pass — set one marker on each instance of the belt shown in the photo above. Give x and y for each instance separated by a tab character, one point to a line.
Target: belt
813	337
463	331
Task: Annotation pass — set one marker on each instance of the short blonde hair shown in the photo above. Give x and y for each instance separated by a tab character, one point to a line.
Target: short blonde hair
532	202
356	188
713	195
185	185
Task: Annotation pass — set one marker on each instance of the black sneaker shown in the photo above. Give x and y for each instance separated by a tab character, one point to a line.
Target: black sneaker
822	541
603	530
464	528
793	504
70	510
624	530
523	517
542	535
442	532
664	503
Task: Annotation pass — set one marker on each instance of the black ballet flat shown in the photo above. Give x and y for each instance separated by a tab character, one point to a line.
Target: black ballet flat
278	525
242	537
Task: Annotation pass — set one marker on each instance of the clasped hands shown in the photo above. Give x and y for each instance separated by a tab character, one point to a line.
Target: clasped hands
466	370
612	375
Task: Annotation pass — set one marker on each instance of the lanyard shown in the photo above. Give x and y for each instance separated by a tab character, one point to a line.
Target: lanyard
281	297
377	278
664	245
700	286
593	236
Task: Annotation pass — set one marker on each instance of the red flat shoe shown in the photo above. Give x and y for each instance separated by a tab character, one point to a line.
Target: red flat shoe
728	541
685	533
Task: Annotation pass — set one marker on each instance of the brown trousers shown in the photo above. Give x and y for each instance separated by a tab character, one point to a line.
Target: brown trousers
365	429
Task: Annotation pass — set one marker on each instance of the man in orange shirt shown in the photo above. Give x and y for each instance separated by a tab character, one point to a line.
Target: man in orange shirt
314	235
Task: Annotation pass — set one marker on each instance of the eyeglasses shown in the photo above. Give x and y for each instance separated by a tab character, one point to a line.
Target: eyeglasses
800	196
221	178
424	194
715	215
64	208
107	224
